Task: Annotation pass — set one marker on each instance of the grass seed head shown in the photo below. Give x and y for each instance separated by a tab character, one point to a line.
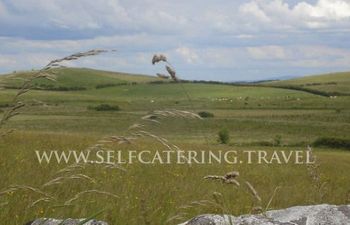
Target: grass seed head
158	58
172	73
233	174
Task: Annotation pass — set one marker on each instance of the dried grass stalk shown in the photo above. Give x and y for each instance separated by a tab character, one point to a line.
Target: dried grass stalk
59	180
112	166
171	113
315	175
228	178
96	147
14	188
71	168
178	217
271	198
136	126
38	201
198	203
56	62
161	140
232	181
150	118
162	58
172	73
77	196
253	191
121	139
214	177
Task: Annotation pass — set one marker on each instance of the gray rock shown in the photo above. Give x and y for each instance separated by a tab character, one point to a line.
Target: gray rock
50	221
298	215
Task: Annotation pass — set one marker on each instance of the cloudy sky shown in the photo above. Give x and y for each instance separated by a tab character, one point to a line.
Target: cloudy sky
204	39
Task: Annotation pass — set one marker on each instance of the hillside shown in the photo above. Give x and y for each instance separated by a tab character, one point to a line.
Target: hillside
85	88
150	118
76	79
333	83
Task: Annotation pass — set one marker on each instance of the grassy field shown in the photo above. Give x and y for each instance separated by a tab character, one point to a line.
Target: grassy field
257	118
332	82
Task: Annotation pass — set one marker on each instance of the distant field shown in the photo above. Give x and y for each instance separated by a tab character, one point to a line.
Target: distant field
76	77
252	114
333	82
257	118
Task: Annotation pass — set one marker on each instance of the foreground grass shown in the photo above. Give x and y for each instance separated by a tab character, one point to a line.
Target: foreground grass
154	192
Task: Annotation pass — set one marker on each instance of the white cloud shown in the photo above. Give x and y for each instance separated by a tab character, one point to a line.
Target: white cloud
267	52
169	17
3	11
188	54
302	56
70	14
197	35
319	56
6	61
254	9
325	9
324	13
105	15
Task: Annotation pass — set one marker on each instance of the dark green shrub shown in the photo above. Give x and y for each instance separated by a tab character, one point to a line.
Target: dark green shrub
224	136
61	88
105	107
51	87
264	143
99	86
205	114
338	110
332	142
277	141
158	82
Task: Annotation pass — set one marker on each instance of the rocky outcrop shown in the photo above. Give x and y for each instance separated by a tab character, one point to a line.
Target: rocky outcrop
48	221
298	215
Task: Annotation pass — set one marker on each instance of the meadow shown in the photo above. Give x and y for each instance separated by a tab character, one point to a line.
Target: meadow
63	115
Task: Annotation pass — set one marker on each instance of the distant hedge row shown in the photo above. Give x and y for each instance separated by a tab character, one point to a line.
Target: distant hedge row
49	87
60	88
332	142
318	84
105	107
312	91
99	86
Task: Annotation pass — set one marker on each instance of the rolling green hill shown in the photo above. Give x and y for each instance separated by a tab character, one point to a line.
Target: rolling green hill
86	87
76	79
90	109
332	83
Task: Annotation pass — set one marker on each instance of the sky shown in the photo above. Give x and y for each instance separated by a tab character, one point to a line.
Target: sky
226	40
